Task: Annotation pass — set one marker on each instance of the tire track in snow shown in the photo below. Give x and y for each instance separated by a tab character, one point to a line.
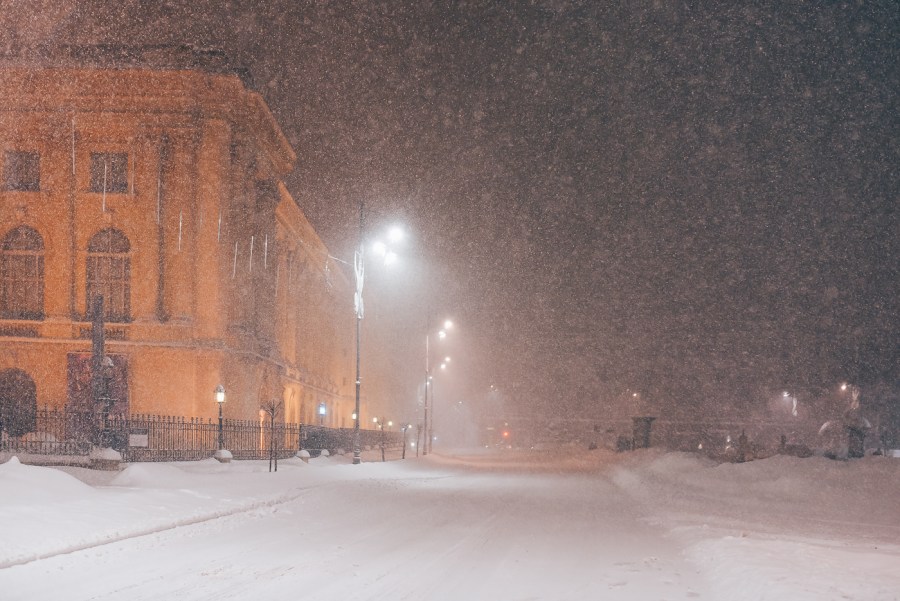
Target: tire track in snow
190	521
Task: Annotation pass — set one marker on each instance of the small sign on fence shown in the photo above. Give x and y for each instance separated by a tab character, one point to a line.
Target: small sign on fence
139	437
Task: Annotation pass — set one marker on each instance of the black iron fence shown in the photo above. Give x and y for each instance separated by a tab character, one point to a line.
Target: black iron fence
169	438
318	438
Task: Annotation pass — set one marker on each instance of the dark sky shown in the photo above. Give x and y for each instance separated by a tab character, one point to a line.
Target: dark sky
691	202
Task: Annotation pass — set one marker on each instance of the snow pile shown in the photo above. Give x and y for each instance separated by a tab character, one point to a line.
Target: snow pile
24	485
755	568
779	528
105	454
778	492
47	511
155	475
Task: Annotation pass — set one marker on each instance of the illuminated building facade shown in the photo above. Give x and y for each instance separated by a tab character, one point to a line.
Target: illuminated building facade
160	190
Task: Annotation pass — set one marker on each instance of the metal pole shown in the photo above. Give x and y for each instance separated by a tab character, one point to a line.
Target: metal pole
356	445
403	454
431	430
356	268
427	374
98	351
221	437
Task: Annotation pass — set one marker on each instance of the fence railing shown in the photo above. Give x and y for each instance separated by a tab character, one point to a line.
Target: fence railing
170	438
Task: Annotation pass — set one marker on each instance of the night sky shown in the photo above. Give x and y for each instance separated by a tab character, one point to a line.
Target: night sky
693	203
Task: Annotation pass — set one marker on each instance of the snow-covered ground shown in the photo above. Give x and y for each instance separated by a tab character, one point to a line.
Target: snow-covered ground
462	527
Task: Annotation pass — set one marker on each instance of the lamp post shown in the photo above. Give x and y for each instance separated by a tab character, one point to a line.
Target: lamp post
395	235
431	436
854	394
107	400
792	399
221	454
359	273
405	428
429	426
220	400
379	423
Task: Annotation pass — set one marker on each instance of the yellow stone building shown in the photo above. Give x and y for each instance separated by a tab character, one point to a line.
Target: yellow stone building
161	191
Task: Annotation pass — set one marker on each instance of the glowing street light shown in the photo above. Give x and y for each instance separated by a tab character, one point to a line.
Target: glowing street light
854	394
396	234
789	398
383	251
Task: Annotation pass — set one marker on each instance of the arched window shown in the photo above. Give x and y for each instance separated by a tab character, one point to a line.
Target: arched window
18	402
22	273
109	274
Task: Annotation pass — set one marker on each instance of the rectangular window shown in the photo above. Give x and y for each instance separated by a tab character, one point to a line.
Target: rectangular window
22	171
109	172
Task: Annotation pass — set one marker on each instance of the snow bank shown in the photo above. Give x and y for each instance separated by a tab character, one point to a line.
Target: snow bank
32	485
154	475
105	454
750	568
781	483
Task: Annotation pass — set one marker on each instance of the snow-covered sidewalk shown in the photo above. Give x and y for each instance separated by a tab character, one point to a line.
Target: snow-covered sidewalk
520	525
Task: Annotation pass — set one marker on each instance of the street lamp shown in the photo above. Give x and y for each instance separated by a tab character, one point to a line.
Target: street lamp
220	400
221	454
792	399
381	249
405	428
429	426
380	424
108	401
854	394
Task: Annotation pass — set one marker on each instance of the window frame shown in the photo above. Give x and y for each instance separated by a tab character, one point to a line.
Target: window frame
100	183
108	273
22	274
11	182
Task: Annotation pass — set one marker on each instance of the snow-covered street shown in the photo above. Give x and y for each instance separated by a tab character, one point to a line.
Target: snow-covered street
575	525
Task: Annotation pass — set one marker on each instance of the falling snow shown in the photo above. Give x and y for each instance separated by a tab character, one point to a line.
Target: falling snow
636	208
